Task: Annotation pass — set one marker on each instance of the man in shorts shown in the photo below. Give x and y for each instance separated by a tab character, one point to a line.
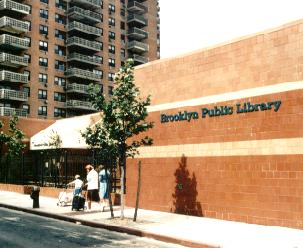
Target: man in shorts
92	186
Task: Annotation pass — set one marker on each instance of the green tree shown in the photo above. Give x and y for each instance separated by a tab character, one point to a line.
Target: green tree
123	119
11	144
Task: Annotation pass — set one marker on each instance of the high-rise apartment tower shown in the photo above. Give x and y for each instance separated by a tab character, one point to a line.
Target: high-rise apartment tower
51	50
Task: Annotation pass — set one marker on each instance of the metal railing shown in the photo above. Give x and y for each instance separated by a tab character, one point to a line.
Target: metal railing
13	95
13	60
86	74
137	18
15	42
13	77
89	3
137	46
79	105
84	28
137	33
79	88
11	5
93	45
84	14
140	59
135	6
13	25
6	111
84	58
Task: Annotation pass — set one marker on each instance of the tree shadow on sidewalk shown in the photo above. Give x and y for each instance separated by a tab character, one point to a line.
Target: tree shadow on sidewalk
185	195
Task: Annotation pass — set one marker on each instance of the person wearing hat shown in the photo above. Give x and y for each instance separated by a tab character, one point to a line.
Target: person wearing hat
92	186
78	184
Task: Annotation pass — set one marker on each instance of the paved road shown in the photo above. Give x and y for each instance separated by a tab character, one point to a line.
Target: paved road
18	229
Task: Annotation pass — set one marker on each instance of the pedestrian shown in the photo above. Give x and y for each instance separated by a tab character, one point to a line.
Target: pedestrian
104	176
78	184
92	186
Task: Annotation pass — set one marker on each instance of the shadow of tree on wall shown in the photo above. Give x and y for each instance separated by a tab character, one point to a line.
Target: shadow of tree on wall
185	196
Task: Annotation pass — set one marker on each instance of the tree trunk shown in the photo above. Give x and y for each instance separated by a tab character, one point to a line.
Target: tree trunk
138	191
122	191
109	189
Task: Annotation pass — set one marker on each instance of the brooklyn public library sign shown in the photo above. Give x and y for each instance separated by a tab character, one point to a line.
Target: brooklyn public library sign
239	108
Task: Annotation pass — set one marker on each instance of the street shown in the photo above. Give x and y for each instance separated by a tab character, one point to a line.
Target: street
18	229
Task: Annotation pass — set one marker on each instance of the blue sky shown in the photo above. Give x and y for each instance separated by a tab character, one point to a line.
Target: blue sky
193	24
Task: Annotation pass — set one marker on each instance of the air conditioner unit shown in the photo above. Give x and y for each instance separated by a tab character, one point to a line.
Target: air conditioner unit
45	85
46	36
46	102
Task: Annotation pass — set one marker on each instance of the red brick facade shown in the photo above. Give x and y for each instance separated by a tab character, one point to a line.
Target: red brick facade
240	166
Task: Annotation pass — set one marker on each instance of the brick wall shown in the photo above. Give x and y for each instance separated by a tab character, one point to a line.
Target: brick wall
241	166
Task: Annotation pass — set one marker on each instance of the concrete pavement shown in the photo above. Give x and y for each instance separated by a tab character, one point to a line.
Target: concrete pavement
180	229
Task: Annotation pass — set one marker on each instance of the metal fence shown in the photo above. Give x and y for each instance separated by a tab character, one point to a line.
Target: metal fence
52	168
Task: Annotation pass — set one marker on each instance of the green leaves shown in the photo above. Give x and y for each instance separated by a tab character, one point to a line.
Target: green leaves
123	116
13	139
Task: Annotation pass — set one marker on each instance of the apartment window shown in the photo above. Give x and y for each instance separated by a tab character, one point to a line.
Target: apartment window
99	72
28	74
44	1
43	62
111	35
111	76
122	25
60	34
59	97
122	12
60	50
60	19
43	78
42	110
44	13
43	46
110	90
111	8
42	94
43	30
26	107
27	91
111	49
59	112
28	57
111	62
59	81
123	38
60	4
59	65
111	21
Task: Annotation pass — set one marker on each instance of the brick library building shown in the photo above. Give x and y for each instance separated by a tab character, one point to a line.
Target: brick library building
228	136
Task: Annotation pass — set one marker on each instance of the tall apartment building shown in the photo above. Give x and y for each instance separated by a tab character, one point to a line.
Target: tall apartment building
51	50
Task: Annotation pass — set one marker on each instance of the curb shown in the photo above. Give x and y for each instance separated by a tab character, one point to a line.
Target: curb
120	229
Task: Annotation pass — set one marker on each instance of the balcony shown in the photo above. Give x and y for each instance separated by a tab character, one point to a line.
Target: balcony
12	42
12	60
137	34
136	7
77	88
83	28
6	111
137	47
84	59
13	25
76	104
89	4
8	5
9	76
84	74
139	59
13	95
83	43
135	20
83	15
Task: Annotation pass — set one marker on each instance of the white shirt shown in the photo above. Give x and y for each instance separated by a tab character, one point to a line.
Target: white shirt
92	180
78	183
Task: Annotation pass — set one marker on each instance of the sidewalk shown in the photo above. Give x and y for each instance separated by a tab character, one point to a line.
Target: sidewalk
180	229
